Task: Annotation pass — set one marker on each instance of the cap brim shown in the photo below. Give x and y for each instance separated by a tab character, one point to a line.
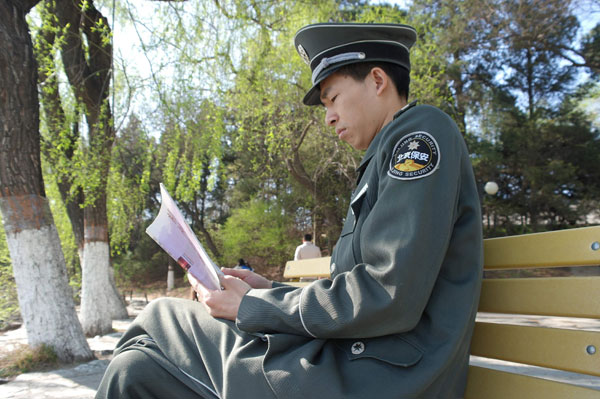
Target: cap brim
313	97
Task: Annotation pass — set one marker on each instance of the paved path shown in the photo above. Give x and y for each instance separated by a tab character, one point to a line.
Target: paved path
81	382
74	382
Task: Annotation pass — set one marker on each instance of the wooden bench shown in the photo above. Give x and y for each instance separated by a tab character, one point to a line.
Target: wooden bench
560	349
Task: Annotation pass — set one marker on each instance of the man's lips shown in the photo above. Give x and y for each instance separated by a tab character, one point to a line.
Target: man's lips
340	131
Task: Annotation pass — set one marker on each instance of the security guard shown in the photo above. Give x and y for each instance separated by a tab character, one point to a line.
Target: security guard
395	319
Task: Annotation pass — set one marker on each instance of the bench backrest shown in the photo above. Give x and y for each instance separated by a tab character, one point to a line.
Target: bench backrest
571	350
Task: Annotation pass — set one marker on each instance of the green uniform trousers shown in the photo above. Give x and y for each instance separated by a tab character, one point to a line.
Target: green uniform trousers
175	349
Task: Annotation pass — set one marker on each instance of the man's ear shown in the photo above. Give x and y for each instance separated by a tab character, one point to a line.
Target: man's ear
380	78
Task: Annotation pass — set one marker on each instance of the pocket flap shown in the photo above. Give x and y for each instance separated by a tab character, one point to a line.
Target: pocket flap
391	349
355	204
349	223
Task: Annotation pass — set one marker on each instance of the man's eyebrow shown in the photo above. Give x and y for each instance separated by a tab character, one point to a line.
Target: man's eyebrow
325	92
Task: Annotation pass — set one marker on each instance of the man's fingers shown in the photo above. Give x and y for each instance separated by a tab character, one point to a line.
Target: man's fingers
203	292
241	273
227	280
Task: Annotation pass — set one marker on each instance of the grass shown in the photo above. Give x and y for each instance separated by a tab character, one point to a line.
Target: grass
24	359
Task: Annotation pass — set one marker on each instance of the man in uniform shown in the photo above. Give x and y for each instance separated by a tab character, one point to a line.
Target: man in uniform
395	319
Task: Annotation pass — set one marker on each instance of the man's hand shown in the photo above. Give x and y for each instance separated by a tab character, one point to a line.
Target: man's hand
252	279
225	303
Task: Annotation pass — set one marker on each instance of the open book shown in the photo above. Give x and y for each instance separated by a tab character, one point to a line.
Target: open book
174	235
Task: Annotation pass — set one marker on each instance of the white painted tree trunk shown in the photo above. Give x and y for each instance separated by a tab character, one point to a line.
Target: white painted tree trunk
45	298
100	301
118	306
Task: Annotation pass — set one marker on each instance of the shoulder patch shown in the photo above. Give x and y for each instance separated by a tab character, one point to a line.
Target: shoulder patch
415	155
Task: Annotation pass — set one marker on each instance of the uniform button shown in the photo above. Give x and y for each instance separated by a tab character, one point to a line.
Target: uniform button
332	268
357	348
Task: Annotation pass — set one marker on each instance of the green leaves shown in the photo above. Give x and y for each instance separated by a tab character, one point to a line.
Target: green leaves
216	115
128	187
257	230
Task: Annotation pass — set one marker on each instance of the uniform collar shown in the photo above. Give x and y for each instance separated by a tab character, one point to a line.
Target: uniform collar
405	108
375	143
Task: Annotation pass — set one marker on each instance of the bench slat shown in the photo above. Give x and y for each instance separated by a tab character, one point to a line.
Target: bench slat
554	296
316	267
549	249
494	384
555	348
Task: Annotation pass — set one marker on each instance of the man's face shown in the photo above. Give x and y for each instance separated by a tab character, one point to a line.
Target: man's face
350	106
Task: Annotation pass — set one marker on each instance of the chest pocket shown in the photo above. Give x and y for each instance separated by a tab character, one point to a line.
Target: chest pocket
354	211
347	251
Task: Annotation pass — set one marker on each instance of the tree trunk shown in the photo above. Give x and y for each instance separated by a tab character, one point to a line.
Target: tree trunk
60	134
87	61
45	299
296	169
100	301
459	102
198	214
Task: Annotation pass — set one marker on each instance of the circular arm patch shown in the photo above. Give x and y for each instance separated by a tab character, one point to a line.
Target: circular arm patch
415	155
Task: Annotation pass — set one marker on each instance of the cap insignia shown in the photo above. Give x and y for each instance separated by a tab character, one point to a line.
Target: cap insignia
303	54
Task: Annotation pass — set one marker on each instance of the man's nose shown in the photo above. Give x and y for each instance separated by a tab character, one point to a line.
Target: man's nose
331	118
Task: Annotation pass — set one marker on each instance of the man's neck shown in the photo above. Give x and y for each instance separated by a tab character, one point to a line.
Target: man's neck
395	106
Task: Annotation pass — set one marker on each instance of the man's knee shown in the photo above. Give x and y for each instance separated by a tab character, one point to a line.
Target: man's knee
128	375
165	306
159	303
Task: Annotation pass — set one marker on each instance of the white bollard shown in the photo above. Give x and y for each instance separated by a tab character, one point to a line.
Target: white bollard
170	279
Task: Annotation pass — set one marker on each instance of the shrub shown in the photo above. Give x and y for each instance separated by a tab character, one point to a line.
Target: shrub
25	359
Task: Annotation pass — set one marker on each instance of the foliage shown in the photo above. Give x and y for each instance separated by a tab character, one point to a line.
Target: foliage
77	152
218	119
9	303
25	359
591	50
257	231
129	184
428	62
285	144
219	151
554	160
192	165
513	97
533	67
141	264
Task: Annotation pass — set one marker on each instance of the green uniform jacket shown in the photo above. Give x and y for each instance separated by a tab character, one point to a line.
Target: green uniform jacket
396	318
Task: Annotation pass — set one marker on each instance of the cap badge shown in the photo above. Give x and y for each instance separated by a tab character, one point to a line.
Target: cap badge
415	155
303	54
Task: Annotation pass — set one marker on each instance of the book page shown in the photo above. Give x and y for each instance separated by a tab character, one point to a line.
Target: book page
174	235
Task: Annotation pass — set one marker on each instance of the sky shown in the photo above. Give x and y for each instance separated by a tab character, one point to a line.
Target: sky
127	47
